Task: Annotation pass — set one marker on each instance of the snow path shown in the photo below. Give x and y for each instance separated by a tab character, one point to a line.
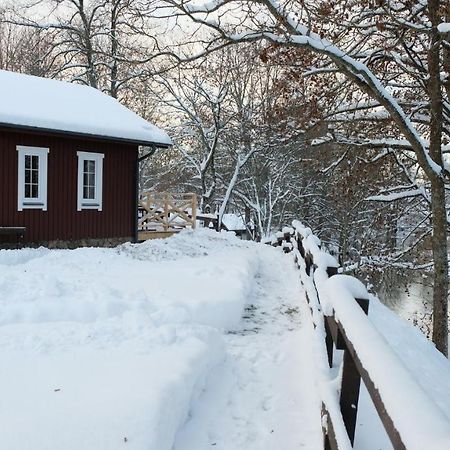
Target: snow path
264	396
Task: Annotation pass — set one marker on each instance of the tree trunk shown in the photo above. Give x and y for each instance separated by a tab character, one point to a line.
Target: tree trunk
440	292
89	53
113	87
438	206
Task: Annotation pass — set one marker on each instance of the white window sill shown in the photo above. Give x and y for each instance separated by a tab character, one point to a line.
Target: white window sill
90	206
31	205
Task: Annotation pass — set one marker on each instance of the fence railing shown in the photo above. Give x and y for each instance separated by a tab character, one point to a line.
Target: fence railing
166	212
340	306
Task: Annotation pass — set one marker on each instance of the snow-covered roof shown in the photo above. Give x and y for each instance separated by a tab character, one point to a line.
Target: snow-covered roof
41	103
233	222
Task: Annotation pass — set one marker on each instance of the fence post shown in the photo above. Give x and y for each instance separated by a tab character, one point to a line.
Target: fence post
326	428
309	264
166	212
328	335
300	245
332	271
329	342
350	386
194	211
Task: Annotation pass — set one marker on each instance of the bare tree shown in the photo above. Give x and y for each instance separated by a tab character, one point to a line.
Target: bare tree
25	51
195	102
307	25
106	44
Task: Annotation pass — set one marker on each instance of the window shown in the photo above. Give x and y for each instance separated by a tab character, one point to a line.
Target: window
90	180
32	178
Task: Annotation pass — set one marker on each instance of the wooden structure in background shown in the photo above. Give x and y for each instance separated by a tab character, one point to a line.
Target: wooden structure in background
161	214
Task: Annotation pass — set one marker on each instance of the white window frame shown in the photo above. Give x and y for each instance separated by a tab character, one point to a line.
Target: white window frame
97	201
41	201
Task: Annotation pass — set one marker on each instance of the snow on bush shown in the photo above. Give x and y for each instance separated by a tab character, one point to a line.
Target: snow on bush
107	347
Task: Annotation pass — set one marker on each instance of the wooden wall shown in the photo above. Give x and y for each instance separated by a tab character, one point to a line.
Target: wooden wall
62	221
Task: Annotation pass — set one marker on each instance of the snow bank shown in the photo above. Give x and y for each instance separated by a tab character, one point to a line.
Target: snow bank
13	257
86	398
103	348
57	105
186	244
96	284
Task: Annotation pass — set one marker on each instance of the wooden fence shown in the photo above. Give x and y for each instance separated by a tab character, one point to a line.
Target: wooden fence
418	411
164	213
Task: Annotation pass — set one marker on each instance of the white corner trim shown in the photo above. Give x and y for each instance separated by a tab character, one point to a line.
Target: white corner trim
97	202
41	201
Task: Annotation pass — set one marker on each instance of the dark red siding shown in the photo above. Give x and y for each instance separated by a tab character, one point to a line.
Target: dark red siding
62	221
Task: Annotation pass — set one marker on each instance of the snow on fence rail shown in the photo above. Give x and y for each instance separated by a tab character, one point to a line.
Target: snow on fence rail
339	306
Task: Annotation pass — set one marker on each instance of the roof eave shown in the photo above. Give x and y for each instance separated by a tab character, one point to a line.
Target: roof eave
12	127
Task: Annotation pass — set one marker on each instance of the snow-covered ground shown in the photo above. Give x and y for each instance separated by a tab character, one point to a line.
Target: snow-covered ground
264	396
194	342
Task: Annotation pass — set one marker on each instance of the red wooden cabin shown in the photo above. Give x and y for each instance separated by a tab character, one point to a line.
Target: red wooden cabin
68	163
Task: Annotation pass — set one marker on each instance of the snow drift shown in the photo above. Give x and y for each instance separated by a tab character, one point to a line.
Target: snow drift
103	347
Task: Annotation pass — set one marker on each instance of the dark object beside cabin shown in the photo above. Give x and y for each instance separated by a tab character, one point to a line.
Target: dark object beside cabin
12	235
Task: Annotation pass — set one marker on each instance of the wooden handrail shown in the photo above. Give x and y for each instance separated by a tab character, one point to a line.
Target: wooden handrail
318	268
